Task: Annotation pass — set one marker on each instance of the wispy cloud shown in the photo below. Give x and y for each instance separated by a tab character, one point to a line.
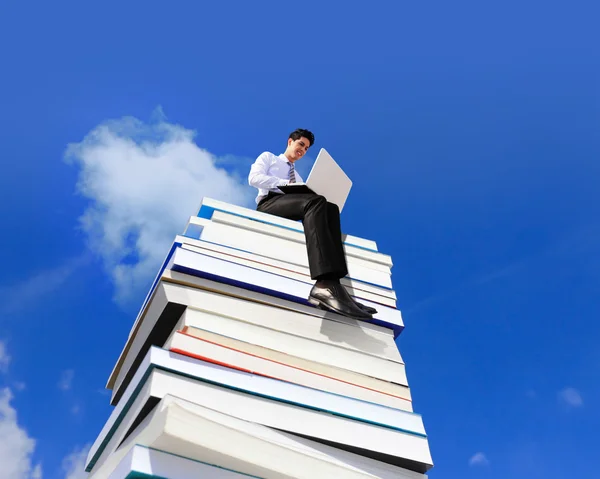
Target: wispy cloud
20	295
474	282
479	459
66	380
531	394
4	357
37	472
581	243
76	409
570	397
143	181
16	447
74	464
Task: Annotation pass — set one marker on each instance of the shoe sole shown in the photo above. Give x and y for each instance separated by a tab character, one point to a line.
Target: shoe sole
319	304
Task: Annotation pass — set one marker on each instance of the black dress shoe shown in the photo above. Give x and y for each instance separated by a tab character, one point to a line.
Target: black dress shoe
366	308
332	296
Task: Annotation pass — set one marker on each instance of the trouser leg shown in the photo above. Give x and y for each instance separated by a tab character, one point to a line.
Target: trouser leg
335	228
322	230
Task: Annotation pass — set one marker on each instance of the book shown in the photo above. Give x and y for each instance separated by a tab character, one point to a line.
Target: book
183	440
292	242
236	354
362	380
282	265
297	188
292	235
303	278
197	264
145	462
289	251
384	442
310	348
363	348
209	206
166	313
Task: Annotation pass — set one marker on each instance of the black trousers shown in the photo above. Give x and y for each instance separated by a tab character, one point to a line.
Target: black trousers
322	230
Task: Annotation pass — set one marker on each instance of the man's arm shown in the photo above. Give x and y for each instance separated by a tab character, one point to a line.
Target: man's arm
258	176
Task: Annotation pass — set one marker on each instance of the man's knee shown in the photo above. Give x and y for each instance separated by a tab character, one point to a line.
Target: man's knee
317	200
333	208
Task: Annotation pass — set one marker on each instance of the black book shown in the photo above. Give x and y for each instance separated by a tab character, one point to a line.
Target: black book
296	188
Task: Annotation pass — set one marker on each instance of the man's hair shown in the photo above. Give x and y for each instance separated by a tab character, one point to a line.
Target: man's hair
300	132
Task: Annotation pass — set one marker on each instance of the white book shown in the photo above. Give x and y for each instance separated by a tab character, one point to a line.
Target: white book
372	389
209	206
217	230
390	323
297	236
209	437
288	392
198	264
151	383
291	344
364	350
170	311
350	283
143	461
190	343
358	294
288	251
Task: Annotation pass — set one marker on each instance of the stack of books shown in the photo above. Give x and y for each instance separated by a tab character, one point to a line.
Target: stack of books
228	371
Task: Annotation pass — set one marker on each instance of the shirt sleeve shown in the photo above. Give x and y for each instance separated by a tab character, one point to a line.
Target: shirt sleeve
259	177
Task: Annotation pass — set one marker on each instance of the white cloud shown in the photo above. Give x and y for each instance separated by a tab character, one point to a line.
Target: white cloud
18	296
479	459
4	357
37	472
571	397
66	380
16	447
74	464
144	180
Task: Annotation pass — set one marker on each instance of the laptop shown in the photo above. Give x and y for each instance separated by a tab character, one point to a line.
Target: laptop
326	178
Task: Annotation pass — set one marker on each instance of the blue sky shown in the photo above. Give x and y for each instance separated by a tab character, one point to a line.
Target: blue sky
472	133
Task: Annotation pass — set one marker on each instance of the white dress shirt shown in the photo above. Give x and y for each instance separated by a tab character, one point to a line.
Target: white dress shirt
270	171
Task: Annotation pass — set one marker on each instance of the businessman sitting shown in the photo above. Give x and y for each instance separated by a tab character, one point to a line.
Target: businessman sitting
321	220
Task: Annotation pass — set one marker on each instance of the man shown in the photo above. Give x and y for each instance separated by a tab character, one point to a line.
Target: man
321	220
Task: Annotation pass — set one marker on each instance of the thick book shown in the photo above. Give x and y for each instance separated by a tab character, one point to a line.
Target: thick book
209	206
212	347
167	310
183	440
389	368
363	348
283	266
143	462
229	272
289	251
391	438
304	278
398	394
292	235
289	244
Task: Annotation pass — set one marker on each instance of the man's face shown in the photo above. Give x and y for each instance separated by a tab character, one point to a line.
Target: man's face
297	148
